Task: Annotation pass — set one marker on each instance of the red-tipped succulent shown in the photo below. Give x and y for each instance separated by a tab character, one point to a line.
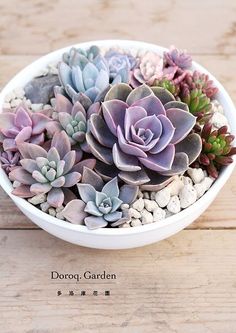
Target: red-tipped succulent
217	149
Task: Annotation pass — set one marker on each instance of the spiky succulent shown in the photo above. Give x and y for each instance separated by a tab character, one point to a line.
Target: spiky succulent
9	160
199	104
86	78
175	57
100	202
217	149
51	172
20	126
141	135
201	81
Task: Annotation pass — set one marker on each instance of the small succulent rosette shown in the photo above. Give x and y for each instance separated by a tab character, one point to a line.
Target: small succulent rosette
109	127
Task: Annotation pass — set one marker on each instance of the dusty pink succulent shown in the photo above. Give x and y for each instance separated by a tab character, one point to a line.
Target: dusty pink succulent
51	172
197	80
22	126
9	160
150	68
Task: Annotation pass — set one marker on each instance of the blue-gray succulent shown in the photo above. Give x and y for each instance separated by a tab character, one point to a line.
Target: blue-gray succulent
100	203
86	75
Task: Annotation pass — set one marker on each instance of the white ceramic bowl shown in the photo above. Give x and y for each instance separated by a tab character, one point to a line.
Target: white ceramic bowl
124	237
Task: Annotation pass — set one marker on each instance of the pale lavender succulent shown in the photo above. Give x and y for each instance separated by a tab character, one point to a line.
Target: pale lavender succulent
175	57
20	126
120	65
142	136
100	203
72	58
51	172
9	160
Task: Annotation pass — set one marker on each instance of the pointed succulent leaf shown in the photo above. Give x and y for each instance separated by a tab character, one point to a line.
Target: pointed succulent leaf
112	217
101	131
92	178
115	202
94	222
87	192
164	95
89	163
160	162
191	145
55	197
136	178
22	191
128	193
111	188
62	143
102	153
124	161
151	104
182	121
114	114
32	151
138	93
118	91
176	105
92	209
72	179
74	211
29	165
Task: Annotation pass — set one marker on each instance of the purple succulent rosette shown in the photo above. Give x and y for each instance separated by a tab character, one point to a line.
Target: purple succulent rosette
142	138
51	172
20	126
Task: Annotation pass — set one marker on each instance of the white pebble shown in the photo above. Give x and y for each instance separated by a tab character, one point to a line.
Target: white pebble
197	175
187	196
47	107
9	97
19	92
44	207
59	209
124	206
168	213
16	102
6	105
138	205
146	195
140	194
152	195
200	189
159	214
175	186
146	217
36	107
163	197
16	184
53	101
136	223
174	205
52	212
186	180
218	120
150	205
42	72
28	103
217	107
37	199
208	181
60	216
134	213
124	225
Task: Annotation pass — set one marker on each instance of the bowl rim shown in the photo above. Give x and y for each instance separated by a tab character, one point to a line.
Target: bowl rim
211	192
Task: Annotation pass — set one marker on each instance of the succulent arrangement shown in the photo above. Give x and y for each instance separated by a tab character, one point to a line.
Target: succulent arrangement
119	124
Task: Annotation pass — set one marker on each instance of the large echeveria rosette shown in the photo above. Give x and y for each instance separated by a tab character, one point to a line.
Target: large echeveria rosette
142	138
